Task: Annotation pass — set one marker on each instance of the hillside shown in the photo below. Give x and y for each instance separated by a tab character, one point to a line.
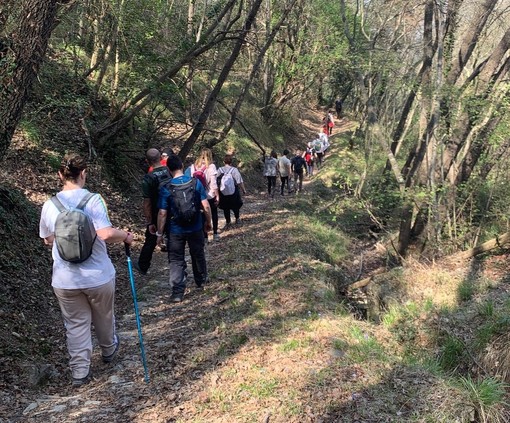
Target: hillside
271	338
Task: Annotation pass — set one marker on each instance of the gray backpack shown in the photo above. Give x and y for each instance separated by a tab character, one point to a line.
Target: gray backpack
74	231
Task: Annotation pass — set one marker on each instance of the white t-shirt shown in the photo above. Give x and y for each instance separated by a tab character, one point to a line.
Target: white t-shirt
98	268
284	166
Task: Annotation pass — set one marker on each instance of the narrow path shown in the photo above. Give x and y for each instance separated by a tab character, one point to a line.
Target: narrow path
205	354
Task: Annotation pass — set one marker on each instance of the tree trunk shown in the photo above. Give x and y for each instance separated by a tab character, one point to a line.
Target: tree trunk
211	100
131	107
20	64
254	71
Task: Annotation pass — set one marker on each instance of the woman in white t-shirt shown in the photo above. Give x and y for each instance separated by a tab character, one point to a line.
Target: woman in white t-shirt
234	201
270	172
86	290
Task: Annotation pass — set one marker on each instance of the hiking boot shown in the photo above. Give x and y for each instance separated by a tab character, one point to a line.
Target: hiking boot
79	382
109	358
216	237
176	298
137	267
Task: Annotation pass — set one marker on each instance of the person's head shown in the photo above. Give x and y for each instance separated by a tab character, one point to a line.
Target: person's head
153	156
72	168
273	154
167	152
174	163
298	152
228	159
285	152
309	144
205	158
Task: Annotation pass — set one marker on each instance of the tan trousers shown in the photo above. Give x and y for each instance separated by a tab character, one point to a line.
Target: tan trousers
80	308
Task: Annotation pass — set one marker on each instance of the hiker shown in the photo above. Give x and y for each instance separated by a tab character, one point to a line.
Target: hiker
181	200
86	290
325	142
164	156
205	170
318	148
284	171
308	155
338	108
330	121
231	184
270	171
297	166
150	193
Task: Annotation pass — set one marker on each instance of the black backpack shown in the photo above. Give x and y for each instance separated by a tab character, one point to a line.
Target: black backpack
185	202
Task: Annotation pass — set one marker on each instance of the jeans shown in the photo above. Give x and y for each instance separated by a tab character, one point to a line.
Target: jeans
214	215
271	184
176	247
298	181
309	169
319	160
284	180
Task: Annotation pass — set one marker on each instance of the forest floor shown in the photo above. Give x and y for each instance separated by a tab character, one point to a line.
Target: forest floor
268	340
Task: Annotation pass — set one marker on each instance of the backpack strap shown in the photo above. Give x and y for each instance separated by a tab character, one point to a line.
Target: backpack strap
60	207
81	205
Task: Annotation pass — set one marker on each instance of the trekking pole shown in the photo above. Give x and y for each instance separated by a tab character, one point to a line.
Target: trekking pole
138	324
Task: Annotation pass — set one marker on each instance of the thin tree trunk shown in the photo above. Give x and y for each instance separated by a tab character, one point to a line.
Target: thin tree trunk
254	71
211	100
20	64
132	107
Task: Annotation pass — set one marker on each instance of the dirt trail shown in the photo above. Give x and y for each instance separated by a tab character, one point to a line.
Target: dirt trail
202	352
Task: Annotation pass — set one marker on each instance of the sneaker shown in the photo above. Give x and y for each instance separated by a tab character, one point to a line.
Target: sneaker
176	298
239	221
227	226
137	267
109	358
216	237
78	382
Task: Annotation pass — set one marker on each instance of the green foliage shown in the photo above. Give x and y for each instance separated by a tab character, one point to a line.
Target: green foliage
498	324
487	396
466	290
452	353
262	388
365	347
31	131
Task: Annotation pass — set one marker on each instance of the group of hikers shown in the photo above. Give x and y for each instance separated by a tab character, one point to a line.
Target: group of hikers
182	205
302	163
179	204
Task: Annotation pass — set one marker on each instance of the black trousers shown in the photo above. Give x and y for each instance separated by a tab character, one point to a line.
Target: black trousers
144	261
176	249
